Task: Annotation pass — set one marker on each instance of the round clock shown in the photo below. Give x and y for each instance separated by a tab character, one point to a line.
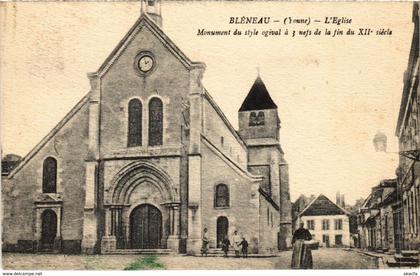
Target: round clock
145	63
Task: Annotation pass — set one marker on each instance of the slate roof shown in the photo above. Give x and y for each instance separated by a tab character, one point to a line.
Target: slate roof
322	206
9	162
302	202
258	98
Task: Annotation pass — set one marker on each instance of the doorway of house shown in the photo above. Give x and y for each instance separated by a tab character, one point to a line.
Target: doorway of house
326	240
339	240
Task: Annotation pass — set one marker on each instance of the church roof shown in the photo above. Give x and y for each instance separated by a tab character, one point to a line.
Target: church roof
322	206
258	98
50	135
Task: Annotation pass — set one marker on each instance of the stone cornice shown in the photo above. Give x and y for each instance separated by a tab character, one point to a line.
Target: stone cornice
136	152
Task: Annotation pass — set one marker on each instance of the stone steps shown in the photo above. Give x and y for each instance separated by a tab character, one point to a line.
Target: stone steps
407	258
409	253
395	263
400	257
217	252
139	252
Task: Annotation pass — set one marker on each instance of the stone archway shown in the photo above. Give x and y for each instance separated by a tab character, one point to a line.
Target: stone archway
138	172
140	200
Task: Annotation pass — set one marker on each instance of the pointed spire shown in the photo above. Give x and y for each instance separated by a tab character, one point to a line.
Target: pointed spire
258	97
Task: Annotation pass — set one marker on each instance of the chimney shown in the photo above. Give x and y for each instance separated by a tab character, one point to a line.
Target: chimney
338	199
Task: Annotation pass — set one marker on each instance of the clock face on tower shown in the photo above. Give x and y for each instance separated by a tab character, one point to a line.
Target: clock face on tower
145	63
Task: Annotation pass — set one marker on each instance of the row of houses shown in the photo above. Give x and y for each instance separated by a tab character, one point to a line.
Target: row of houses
378	218
389	219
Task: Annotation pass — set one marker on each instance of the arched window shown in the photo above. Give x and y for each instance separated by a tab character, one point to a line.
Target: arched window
49	175
260	118
134	123
222	196
155	122
252	119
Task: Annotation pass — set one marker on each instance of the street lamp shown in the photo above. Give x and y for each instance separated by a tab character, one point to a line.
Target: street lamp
379	141
380	144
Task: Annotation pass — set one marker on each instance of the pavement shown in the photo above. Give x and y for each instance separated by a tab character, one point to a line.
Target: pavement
324	258
381	257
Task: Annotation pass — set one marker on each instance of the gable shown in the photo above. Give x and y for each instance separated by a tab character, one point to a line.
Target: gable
145	21
121	81
322	206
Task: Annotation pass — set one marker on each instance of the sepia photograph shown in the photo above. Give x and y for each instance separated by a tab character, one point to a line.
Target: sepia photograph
209	135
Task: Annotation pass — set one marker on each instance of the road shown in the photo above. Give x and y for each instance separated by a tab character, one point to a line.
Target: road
332	258
323	259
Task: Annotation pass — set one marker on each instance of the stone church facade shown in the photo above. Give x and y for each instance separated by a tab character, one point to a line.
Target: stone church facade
147	160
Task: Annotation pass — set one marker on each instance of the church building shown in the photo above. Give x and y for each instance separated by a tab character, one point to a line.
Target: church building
147	160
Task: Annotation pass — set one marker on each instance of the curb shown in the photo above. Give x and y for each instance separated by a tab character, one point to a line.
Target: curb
380	259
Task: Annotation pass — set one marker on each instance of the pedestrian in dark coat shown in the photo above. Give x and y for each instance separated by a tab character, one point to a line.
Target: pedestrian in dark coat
302	255
225	245
244	244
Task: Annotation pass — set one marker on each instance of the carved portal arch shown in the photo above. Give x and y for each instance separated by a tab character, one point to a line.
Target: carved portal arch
135	174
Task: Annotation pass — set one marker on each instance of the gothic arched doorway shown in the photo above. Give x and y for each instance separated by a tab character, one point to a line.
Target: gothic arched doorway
145	227
48	229
222	229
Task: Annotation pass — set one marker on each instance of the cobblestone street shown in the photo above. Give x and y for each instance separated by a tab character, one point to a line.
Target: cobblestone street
323	259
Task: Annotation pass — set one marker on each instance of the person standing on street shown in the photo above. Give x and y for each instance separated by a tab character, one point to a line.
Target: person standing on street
302	255
236	240
225	245
244	244
205	245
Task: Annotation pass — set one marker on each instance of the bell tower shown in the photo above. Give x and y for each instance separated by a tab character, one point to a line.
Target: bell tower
258	117
153	9
259	126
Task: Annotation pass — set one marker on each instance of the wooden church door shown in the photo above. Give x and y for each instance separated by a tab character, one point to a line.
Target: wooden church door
145	227
48	229
222	229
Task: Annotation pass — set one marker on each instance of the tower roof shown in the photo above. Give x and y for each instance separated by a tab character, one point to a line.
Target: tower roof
258	98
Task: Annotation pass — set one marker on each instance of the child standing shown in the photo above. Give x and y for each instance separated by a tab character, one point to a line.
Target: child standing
225	245
244	244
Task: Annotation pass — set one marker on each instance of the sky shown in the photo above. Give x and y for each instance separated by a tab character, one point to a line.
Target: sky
333	94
